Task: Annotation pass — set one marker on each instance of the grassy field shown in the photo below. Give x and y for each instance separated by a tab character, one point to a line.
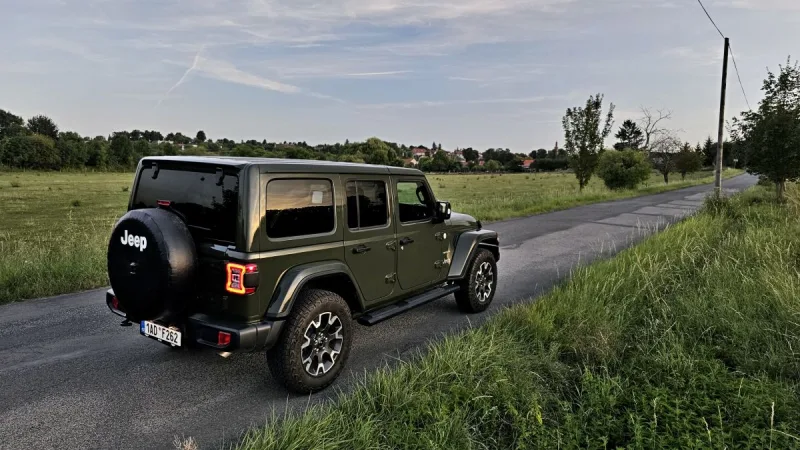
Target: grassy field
492	197
689	340
54	226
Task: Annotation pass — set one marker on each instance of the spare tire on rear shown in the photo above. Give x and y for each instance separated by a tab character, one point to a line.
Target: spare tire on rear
151	263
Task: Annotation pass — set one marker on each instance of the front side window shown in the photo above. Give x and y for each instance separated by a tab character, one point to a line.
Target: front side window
299	207
366	204
414	201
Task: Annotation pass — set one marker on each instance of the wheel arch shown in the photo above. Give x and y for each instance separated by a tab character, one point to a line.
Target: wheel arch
333	276
465	247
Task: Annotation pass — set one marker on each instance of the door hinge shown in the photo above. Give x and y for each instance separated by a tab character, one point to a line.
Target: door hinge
441	235
441	263
391	245
391	278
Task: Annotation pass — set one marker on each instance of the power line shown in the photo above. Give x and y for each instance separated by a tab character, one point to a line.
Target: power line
709	18
739	77
736	68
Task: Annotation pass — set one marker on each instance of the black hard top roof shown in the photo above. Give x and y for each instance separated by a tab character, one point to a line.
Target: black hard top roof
286	165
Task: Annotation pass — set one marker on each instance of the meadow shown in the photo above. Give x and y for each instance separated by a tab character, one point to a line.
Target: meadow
684	341
491	197
54	226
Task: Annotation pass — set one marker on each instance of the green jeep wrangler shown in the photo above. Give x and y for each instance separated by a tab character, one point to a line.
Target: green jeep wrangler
253	254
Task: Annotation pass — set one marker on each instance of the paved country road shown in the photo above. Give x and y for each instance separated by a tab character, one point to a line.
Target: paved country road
71	377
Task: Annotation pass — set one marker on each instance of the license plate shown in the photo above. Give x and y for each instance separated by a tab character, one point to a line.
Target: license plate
161	333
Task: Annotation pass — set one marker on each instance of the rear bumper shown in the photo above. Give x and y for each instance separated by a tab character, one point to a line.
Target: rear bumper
203	329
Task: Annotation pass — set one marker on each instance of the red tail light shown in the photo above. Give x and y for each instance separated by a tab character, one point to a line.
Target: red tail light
236	280
115	302
164	202
223	339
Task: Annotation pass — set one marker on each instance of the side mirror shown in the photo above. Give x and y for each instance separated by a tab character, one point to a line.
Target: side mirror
443	211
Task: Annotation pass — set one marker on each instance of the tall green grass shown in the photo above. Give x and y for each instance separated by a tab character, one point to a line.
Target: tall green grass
54	229
689	340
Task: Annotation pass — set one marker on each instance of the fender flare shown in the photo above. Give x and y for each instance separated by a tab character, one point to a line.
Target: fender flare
294	279
465	247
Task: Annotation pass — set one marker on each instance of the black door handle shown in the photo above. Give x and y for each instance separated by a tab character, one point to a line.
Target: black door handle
406	241
361	249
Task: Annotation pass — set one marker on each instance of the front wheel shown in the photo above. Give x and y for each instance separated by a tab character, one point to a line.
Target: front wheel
479	285
314	344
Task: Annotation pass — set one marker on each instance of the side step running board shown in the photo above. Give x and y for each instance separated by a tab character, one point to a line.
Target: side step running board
404	305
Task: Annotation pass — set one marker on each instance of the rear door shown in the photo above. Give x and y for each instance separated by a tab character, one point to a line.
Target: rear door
418	248
369	235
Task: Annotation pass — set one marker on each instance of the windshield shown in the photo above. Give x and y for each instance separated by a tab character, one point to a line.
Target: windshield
209	207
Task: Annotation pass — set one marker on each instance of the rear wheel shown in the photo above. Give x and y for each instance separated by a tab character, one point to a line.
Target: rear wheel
479	285
315	343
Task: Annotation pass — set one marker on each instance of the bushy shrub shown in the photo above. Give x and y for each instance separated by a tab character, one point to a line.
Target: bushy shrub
624	169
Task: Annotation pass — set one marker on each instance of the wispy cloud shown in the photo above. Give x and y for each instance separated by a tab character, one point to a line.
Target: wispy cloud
484	101
72	48
225	71
183	77
374	74
705	55
789	5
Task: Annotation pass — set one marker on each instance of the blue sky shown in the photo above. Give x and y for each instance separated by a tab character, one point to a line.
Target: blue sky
477	73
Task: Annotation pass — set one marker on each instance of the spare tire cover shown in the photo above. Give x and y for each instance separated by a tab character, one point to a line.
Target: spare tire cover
151	263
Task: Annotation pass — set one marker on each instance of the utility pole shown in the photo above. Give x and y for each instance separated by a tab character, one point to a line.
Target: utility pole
719	158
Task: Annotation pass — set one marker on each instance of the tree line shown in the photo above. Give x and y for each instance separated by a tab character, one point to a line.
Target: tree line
643	145
38	143
766	142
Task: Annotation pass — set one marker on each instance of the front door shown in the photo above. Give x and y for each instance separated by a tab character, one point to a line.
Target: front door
369	236
419	250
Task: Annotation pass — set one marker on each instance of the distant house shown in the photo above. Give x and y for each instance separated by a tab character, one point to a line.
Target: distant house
410	162
419	152
526	164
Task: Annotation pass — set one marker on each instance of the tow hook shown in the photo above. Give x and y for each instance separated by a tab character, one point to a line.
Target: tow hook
126	323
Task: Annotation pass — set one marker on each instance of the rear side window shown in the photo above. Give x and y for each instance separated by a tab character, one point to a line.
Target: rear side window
366	204
299	207
206	199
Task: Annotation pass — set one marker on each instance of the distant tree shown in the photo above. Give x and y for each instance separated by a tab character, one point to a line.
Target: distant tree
441	162
72	149
201	137
540	154
624	169
688	161
470	154
584	134
135	135
120	151
709	152
10	125
141	148
493	166
169	149
771	133
629	136
97	153
43	125
664	154
31	152
650	125
170	137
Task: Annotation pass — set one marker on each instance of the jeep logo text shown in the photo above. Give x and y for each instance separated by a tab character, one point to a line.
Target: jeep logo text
139	242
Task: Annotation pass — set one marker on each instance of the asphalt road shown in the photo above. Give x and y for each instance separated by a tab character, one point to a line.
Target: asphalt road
71	377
